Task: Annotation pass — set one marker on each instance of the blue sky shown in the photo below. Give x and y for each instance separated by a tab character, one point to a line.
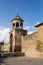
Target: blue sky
30	10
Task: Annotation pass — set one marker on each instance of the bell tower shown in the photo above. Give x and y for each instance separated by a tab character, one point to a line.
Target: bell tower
15	34
17	22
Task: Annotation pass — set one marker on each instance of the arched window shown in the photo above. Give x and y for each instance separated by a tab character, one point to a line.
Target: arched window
21	24
13	24
17	24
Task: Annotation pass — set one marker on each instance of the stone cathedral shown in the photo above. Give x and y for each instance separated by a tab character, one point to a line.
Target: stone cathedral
31	45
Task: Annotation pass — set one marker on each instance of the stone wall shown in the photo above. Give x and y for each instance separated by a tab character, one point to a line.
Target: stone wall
29	45
40	38
6	47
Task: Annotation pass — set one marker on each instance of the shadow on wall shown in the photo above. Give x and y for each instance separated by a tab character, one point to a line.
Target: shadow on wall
39	46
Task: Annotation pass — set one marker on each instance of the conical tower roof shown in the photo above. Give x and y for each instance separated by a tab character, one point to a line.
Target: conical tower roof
17	17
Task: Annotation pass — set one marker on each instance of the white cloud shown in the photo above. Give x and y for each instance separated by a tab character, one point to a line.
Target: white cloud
37	23
26	28
30	32
4	34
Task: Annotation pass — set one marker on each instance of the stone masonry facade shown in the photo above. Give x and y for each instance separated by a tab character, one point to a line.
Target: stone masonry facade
31	45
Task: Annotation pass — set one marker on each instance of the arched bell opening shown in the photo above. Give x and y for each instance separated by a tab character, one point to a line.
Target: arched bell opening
17	24
13	25
21	25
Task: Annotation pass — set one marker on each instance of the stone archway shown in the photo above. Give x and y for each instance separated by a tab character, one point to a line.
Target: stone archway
11	42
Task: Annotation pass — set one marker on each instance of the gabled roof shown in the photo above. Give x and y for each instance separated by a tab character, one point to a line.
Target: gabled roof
39	24
17	17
